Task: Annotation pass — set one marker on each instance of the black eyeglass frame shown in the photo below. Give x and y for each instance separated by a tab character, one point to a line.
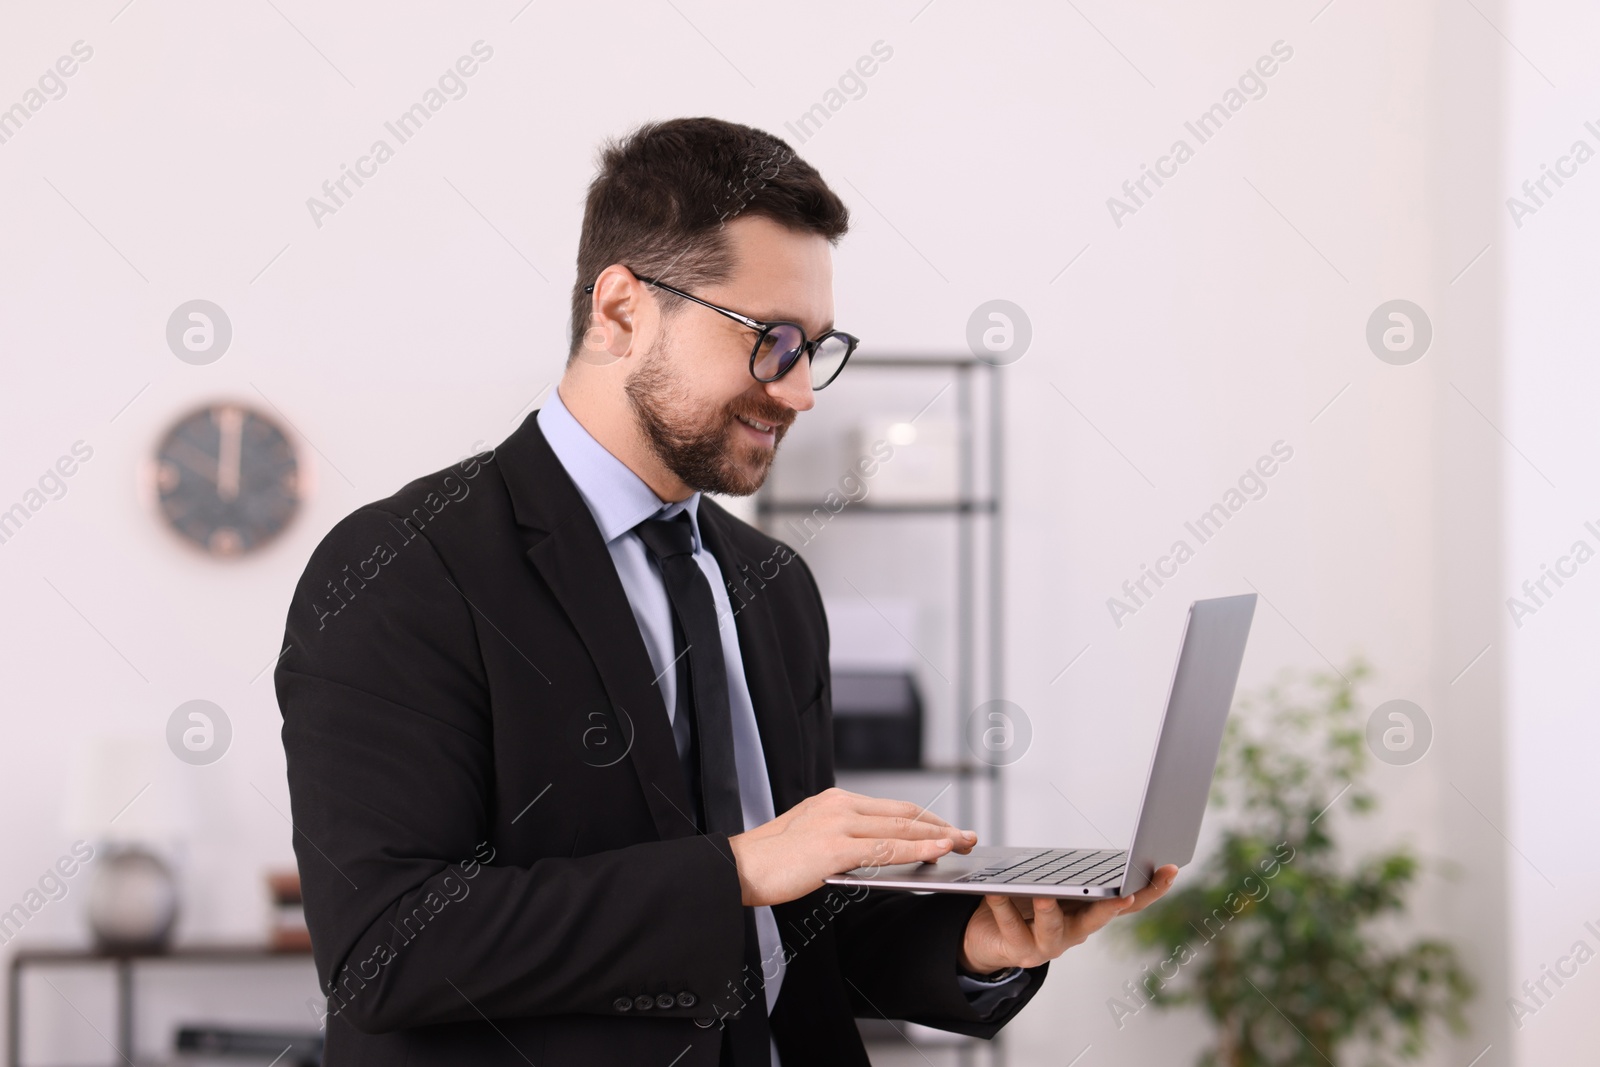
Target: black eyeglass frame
809	347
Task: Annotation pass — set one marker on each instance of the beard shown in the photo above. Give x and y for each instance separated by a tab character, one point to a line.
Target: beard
698	442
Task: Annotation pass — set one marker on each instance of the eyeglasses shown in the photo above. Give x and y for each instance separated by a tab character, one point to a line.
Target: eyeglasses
779	344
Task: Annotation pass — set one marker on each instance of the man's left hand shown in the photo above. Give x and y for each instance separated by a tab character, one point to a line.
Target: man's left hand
1022	932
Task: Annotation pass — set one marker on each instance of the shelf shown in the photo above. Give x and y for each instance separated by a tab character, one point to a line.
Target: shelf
922	362
216	953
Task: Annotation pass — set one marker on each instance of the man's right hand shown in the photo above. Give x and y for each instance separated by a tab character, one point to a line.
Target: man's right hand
833	832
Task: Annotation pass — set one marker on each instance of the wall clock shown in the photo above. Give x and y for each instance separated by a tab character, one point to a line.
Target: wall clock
227	479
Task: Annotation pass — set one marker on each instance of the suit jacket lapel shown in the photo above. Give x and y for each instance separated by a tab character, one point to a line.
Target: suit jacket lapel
761	652
568	552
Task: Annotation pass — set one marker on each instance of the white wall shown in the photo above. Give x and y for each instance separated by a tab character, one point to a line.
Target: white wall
1551	391
429	313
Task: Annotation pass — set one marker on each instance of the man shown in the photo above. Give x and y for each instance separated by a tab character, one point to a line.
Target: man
558	727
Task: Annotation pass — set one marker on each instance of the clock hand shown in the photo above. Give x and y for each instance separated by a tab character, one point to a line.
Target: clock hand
191	458
231	426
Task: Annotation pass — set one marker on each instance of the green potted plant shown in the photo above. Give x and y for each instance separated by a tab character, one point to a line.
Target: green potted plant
1279	937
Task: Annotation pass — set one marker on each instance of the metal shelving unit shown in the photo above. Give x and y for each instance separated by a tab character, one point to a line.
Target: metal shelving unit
977	512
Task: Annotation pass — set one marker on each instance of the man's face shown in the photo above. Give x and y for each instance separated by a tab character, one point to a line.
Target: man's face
693	394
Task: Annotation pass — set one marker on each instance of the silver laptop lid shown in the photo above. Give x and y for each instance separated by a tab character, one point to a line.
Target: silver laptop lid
1190	737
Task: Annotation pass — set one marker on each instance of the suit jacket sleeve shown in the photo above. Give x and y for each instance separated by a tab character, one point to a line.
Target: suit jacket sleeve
900	952
386	727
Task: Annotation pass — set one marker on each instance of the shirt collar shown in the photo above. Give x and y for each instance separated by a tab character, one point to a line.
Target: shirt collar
618	499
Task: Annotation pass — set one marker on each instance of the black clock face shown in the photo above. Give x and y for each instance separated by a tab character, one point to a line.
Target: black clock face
227	479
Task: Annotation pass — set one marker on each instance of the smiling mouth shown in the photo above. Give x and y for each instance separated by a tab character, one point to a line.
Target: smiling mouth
756	424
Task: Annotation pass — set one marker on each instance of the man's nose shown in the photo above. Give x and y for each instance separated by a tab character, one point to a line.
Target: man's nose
794	388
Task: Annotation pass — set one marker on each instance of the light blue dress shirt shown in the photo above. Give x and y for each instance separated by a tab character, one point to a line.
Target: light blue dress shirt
620	500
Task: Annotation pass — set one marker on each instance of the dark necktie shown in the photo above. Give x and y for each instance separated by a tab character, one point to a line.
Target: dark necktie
703	709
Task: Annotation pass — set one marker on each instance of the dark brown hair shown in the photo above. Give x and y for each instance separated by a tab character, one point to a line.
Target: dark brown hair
663	192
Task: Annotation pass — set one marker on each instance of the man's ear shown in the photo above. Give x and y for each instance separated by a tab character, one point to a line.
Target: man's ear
613	307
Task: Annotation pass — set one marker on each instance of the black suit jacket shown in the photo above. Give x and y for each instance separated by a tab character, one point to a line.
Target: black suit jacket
490	815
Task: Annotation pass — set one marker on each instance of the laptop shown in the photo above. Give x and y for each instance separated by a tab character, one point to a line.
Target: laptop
1174	793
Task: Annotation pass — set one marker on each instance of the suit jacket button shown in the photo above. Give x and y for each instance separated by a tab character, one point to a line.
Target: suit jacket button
687	999
664	1000
622	1003
643	1002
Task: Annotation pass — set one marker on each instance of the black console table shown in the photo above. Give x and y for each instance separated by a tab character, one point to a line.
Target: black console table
123	965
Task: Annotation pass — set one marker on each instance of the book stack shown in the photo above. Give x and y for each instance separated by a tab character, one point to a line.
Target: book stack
288	932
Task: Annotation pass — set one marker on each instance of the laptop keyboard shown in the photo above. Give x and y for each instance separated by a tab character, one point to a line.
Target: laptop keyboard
1054	866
